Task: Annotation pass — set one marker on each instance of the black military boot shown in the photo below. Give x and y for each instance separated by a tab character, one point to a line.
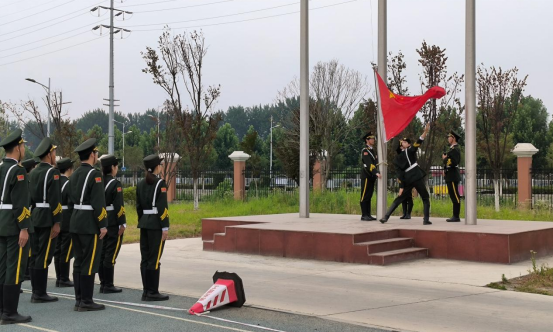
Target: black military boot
10	299
87	291
152	282
77	286
404	206
368	207
57	268
426	219
101	275
453	219
144	284
108	282
1	300
39	288
64	280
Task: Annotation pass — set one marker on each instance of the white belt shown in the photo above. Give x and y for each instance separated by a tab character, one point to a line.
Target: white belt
6	207
83	207
43	205
152	211
65	207
110	208
411	167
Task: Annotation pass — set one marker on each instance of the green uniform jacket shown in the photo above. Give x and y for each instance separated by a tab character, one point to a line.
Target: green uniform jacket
16	192
451	164
399	171
144	198
370	161
66	204
45	217
87	221
406	159
114	196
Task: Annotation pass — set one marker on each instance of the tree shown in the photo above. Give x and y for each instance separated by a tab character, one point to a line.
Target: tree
181	58
224	144
237	117
498	94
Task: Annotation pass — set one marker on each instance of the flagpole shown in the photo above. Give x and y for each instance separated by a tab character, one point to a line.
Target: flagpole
382	191
470	114
304	109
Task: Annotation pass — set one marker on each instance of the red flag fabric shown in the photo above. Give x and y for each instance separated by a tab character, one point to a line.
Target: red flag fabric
398	111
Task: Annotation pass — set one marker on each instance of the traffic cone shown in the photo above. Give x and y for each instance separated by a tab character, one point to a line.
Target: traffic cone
227	289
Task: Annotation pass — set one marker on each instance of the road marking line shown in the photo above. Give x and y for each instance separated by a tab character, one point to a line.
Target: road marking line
235	322
37	328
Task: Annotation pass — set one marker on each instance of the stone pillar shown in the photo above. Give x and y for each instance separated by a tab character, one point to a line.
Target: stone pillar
170	173
317	176
239	158
524	153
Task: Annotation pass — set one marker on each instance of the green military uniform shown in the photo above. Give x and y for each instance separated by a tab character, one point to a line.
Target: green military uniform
47	211
153	219
14	217
115	207
64	247
368	178
453	176
86	191
407	204
29	165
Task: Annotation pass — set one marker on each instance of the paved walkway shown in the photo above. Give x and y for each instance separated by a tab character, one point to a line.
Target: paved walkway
424	295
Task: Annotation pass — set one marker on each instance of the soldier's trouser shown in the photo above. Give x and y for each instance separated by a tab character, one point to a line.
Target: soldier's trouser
407	205
30	261
453	189
367	190
13	260
63	255
112	246
87	249
407	191
151	248
43	248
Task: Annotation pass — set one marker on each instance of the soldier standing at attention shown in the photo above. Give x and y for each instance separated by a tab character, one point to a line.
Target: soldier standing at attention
29	165
46	217
451	160
117	223
88	225
14	223
369	174
64	247
153	221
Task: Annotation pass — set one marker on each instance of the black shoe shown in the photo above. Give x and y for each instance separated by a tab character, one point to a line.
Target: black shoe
453	219
402	217
10	298
426	222
407	216
366	218
108	287
64	283
152	284
87	290
39	287
371	218
384	220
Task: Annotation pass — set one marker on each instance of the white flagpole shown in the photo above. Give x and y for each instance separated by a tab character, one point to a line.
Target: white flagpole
382	191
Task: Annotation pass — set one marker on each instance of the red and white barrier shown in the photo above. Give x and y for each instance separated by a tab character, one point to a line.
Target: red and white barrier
227	289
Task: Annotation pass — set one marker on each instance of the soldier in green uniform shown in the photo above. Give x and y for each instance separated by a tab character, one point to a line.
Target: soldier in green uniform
46	217
153	221
369	174
117	223
88	224
451	160
64	246
29	165
407	204
14	223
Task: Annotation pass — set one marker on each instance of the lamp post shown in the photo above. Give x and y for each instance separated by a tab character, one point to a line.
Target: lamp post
124	133
156	118
47	88
271	152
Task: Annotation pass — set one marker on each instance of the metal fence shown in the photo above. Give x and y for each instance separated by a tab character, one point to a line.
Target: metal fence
542	188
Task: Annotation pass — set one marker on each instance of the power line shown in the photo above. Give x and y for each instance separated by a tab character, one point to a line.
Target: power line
148	3
24	10
13	3
252	19
31	49
46	10
166	9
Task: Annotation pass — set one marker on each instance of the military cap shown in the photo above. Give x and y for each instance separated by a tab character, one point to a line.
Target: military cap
65	164
152	161
368	135
29	164
87	147
12	139
452	133
109	160
405	139
44	147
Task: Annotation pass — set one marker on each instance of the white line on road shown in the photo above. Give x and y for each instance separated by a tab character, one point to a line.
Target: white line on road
37	328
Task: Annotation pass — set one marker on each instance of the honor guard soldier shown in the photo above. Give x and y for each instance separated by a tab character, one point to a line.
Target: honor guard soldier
369	174
117	222
88	224
407	204
414	177
153	221
14	223
29	165
64	246
451	160
46	217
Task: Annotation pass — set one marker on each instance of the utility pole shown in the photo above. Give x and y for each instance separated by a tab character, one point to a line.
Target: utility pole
271	152
112	31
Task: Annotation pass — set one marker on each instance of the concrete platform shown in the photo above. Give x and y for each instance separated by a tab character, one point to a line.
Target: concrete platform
344	238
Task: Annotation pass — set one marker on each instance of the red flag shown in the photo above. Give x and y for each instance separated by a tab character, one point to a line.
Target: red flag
398	111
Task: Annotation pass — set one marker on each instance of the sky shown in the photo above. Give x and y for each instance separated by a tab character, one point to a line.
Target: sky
254	45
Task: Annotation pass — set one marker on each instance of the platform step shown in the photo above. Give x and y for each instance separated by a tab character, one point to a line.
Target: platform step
387	245
400	255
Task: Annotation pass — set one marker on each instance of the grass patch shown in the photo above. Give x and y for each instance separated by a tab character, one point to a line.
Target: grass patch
185	222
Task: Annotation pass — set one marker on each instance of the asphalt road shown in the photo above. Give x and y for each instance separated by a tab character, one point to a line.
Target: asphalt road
60	317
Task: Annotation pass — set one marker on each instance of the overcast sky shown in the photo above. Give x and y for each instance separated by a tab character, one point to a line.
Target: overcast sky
254	59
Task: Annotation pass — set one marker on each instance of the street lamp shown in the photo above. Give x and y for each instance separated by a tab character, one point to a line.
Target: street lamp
157	120
271	153
47	88
124	133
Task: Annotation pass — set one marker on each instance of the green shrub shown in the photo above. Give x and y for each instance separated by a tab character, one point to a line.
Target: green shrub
129	195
